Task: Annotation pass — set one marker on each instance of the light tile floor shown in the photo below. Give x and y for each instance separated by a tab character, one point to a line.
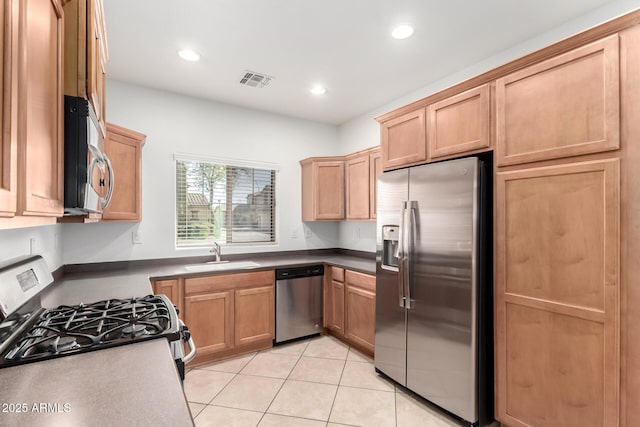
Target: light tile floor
319	382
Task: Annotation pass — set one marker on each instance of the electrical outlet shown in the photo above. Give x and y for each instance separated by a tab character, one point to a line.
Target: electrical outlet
294	233
307	233
136	237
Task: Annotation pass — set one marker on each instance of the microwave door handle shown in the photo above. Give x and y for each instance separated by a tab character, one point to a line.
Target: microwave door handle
107	198
401	254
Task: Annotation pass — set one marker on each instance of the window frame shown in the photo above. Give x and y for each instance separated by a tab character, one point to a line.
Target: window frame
225	161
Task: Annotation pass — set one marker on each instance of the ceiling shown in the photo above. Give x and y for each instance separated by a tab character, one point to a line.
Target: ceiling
344	45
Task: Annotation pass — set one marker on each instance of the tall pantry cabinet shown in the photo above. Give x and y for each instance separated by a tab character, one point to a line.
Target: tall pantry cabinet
566	237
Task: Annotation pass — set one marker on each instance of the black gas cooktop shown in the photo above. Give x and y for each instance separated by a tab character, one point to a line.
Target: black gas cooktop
72	329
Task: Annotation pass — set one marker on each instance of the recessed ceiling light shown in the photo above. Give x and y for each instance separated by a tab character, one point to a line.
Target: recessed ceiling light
318	90
189	55
402	31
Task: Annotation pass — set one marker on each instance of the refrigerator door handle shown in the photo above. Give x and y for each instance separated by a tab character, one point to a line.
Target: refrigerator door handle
401	255
410	230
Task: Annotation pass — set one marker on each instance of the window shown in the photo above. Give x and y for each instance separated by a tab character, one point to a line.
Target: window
224	201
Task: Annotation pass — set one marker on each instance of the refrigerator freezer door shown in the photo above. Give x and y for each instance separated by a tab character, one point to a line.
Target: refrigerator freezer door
441	326
391	334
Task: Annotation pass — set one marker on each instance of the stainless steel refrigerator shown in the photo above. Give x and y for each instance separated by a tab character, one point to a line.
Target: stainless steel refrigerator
433	284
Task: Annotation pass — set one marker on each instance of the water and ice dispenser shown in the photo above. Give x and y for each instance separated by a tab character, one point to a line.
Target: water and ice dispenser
390	247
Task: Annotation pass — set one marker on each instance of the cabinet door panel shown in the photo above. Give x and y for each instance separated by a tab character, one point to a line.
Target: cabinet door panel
566	106
557	291
254	315
375	169
40	107
173	290
337	307
403	140
8	147
459	124
210	320
328	190
360	316
358	179
123	147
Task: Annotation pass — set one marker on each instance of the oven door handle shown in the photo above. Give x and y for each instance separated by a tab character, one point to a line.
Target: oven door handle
189	341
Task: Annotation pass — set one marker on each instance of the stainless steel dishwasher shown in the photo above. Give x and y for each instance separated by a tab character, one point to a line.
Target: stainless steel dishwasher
298	302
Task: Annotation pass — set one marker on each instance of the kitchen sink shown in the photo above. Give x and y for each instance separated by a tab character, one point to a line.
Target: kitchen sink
221	266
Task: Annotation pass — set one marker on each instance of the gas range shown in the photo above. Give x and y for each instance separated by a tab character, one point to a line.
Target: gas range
31	333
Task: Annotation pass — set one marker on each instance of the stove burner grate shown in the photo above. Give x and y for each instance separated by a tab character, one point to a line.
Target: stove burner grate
69	329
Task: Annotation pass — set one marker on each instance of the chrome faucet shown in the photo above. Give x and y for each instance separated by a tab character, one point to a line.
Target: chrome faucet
215	249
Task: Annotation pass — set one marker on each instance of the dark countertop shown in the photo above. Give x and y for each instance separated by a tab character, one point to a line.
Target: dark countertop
129	385
135	384
174	269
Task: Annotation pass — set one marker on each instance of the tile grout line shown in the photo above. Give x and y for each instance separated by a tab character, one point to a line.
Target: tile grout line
344	365
283	382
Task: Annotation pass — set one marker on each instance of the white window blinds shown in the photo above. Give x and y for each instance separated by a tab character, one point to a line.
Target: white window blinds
225	203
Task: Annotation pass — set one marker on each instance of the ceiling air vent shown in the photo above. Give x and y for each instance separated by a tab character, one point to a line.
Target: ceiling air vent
253	79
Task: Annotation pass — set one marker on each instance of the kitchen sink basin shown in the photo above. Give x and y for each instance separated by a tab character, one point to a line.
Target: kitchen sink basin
221	266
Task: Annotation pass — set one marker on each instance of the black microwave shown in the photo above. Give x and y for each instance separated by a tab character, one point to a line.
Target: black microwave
88	175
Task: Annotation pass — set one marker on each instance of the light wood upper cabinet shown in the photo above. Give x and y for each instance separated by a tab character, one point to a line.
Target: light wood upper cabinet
8	142
86	54
322	189
123	147
358	180
459	124
40	108
375	169
557	295
565	106
403	140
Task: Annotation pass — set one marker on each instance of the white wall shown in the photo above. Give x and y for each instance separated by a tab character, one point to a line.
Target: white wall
47	240
176	123
363	131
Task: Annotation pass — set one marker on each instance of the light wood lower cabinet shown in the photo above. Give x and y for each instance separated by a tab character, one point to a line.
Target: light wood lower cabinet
209	318
337	307
557	295
254	315
174	290
360	309
350	306
227	314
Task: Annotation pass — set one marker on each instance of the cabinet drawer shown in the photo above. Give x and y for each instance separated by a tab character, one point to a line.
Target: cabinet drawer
337	274
360	280
219	282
